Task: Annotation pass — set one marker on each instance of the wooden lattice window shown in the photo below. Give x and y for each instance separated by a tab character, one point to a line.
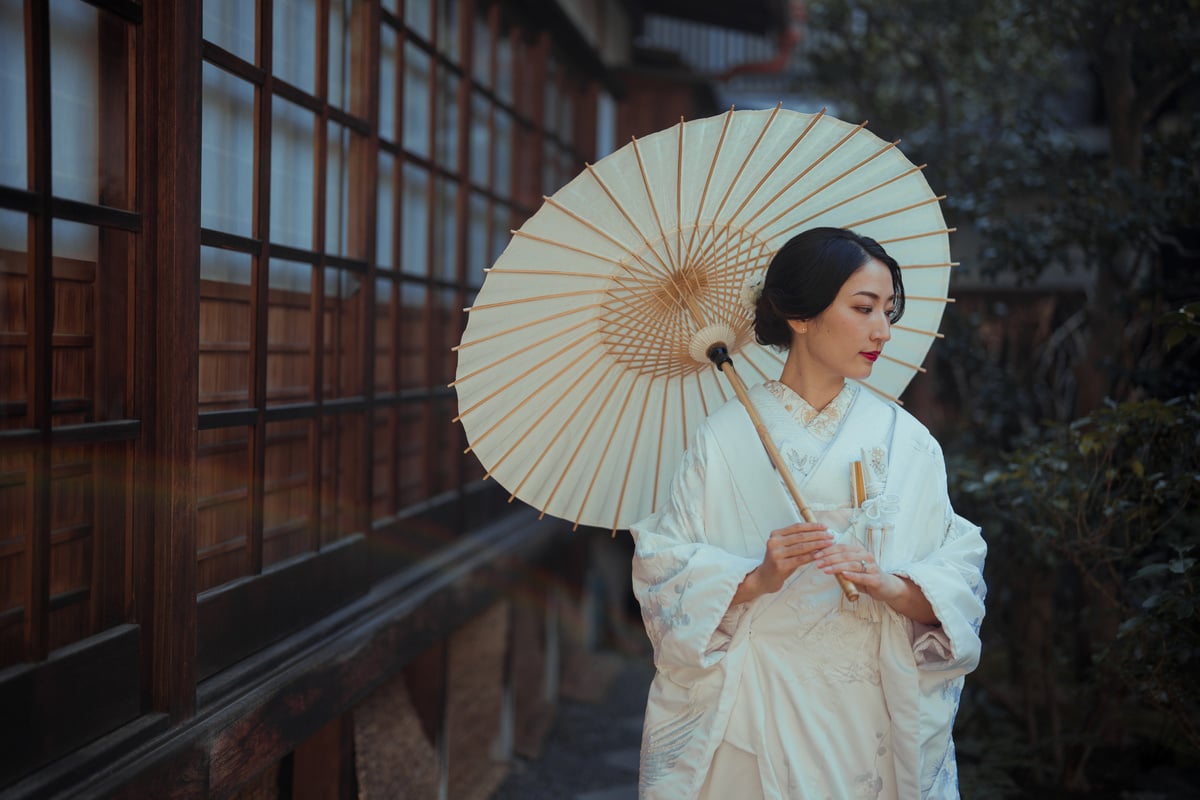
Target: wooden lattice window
470	137
284	282
361	162
69	220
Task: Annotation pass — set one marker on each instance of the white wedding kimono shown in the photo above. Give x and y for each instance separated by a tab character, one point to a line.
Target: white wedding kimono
821	697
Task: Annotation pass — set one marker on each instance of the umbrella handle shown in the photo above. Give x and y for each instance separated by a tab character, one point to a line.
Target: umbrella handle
719	355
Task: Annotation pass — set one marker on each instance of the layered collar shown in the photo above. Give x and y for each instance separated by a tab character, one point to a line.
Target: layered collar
822	423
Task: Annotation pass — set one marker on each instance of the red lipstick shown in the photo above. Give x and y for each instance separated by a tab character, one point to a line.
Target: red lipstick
871	356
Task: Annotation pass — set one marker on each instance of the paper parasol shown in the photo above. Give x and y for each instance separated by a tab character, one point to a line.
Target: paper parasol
582	370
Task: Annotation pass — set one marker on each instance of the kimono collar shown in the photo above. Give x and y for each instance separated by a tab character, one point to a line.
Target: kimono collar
822	424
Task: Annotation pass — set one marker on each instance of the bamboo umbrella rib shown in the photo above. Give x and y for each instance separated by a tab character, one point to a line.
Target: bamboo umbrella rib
526	325
549	273
715	239
742	167
637	435
942	232
833	182
561	351
669	366
668	371
535	299
779	161
681	296
914	367
681	421
761	372
566	425
658	451
619	285
550	201
624	307
603	456
896	211
736	263
620	262
679	194
720	385
882	393
625	213
703	398
534	425
623	326
712	167
813	165
746	243
729	310
583	439
626	335
678	296
641	309
631	350
727	271
908	297
921	331
714	248
829	208
493	364
659	368
727	288
710	384
708	179
722	256
823	186
641	320
943	265
637	152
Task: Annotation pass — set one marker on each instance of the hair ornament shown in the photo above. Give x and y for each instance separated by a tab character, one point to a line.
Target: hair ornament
752	289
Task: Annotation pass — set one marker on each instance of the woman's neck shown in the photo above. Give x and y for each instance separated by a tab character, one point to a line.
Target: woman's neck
818	392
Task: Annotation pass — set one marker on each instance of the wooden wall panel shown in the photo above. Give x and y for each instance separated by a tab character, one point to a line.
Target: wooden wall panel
67	700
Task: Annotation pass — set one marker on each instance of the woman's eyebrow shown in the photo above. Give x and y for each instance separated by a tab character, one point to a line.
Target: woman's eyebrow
873	296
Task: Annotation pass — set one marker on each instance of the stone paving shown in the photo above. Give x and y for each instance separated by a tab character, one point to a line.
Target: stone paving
591	751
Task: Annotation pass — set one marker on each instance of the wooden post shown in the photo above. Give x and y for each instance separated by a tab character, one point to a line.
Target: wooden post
171	86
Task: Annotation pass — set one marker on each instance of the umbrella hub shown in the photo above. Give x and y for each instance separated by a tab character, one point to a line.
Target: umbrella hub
680	293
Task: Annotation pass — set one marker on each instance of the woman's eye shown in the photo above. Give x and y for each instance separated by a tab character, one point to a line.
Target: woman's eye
864	309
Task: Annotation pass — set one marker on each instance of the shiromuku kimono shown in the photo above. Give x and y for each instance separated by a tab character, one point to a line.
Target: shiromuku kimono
801	693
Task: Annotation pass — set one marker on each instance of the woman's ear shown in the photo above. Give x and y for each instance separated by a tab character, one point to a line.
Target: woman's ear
798	325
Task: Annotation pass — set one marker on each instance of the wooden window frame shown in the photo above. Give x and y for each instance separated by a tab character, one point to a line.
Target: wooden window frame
163	640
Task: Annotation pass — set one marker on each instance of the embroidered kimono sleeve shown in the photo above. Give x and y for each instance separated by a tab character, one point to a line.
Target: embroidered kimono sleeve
683	582
951	577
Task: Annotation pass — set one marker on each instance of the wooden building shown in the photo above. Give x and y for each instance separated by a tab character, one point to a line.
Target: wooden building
242	552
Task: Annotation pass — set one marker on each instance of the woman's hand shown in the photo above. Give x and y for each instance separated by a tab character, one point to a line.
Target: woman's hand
858	565
788	549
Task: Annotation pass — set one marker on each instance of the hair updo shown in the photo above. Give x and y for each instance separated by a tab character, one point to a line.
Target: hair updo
806	275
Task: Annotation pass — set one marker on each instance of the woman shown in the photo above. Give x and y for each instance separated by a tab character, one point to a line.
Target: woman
769	683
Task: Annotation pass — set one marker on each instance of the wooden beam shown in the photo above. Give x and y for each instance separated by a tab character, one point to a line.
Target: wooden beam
171	86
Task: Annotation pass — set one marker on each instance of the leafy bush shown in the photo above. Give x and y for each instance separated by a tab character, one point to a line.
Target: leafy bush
1093	641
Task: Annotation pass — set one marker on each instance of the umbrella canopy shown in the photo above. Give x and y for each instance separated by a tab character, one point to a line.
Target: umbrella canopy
582	370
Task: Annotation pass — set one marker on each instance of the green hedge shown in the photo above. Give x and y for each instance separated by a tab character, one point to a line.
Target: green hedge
1092	644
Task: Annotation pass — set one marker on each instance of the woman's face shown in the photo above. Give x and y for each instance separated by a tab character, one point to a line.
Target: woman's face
844	340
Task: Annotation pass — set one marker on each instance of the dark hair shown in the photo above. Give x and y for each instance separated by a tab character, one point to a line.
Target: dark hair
806	275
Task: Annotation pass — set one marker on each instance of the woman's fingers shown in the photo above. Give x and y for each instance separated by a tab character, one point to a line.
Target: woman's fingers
802	527
803	533
847	558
